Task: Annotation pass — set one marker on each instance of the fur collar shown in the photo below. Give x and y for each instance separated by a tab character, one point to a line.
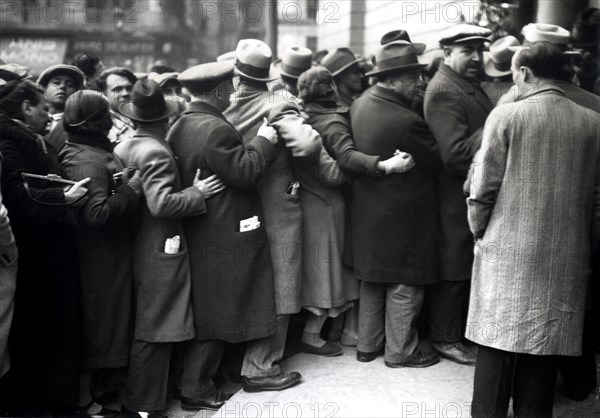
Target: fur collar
37	161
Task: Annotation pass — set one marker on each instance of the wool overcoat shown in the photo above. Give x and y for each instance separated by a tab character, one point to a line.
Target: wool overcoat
45	334
455	110
162	282
531	205
104	239
232	275
8	282
395	218
327	282
283	215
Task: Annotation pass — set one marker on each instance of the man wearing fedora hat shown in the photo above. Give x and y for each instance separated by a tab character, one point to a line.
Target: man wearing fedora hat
161	258
497	66
232	258
395	242
456	109
279	197
59	82
344	66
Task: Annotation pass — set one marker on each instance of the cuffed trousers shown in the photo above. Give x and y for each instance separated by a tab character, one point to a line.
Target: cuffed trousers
263	355
390	311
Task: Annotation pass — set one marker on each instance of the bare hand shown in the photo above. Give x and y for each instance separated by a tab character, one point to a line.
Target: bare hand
400	163
76	194
210	186
268	132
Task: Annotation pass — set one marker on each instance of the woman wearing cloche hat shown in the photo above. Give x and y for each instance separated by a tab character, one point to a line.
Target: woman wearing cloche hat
104	236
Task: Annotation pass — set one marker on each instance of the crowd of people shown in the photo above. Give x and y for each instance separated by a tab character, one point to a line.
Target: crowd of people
159	228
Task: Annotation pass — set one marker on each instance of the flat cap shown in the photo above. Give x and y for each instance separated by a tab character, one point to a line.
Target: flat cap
464	33
73	71
196	78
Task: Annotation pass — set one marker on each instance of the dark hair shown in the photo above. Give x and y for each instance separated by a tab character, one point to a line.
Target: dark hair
14	93
545	60
120	71
86	63
161	69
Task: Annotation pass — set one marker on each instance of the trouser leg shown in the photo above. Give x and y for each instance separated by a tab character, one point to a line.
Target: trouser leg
403	305
449	303
146	388
534	386
492	383
200	363
263	355
371	317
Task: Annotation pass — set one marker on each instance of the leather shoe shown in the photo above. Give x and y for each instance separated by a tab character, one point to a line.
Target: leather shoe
368	356
278	382
195	404
327	350
457	352
417	359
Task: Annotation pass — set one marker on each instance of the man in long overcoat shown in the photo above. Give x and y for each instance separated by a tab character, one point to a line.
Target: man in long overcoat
252	102
161	273
455	109
394	218
232	274
534	207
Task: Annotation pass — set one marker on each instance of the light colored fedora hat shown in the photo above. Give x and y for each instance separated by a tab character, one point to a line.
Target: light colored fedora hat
253	60
295	61
554	34
498	60
395	57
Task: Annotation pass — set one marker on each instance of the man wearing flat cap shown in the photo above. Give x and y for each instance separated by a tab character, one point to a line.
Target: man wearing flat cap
59	82
279	198
395	243
456	108
232	259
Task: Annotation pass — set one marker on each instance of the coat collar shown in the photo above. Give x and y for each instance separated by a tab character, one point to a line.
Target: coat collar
203	107
318	108
389	95
95	139
467	87
544	91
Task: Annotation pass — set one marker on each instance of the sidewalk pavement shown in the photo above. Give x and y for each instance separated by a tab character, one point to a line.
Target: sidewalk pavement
344	387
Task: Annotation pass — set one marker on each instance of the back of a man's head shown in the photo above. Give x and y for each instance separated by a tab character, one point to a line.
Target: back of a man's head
544	59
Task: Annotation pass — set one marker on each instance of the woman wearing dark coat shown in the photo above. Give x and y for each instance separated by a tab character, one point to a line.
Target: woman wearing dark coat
328	287
104	239
44	338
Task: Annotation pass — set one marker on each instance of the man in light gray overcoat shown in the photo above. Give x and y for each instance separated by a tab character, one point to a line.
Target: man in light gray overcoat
533	208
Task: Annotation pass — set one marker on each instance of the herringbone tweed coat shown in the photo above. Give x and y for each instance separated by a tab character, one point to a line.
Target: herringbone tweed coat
531	206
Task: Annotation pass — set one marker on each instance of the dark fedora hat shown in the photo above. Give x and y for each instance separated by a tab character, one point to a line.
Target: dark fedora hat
586	30
395	57
295	61
339	61
402	35
147	103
